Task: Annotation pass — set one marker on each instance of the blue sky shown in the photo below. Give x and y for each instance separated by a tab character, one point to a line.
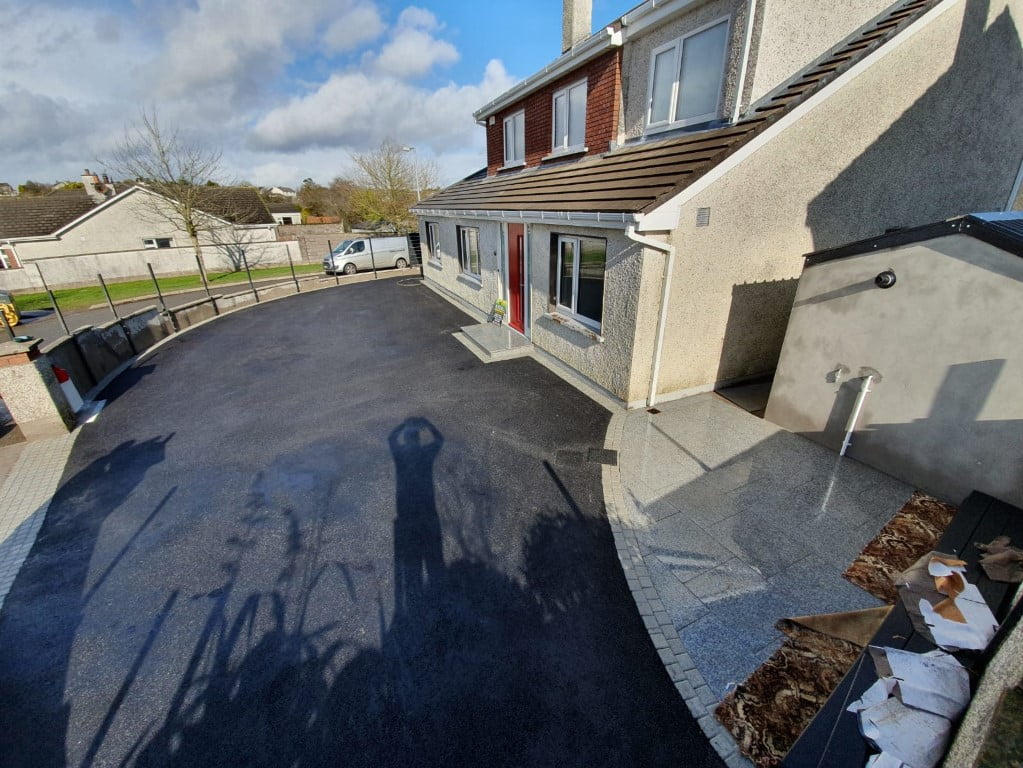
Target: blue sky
287	90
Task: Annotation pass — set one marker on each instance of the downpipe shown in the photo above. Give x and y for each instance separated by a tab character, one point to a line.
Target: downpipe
869	375
662	319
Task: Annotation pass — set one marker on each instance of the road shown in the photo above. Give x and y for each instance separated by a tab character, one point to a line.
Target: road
351	545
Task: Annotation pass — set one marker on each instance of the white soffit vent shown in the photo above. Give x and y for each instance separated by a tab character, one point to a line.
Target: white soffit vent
703	217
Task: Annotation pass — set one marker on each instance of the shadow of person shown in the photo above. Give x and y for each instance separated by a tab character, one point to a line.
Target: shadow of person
418	547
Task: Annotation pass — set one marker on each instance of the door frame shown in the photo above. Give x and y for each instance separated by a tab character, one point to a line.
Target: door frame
506	275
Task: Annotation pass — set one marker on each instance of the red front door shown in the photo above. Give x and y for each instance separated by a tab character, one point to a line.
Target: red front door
516	277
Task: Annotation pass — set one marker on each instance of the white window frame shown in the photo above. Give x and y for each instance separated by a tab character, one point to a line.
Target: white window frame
678	44
510	161
433	240
570	309
463	253
564	148
151	243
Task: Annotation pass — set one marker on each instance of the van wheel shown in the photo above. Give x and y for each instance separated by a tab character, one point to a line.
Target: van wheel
350	269
400	264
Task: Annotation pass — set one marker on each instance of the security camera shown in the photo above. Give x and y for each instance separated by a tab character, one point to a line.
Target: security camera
885	279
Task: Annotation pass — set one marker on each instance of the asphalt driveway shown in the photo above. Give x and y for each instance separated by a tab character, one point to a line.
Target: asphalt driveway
350	544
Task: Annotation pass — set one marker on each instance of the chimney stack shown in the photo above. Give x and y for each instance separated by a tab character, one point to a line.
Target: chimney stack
94	188
575	22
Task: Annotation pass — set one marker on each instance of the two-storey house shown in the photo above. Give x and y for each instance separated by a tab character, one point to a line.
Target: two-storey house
648	195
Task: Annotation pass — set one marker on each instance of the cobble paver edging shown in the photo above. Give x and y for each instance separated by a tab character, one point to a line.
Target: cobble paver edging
24	499
679	664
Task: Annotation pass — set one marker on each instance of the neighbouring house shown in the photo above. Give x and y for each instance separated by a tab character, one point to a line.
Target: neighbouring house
6	190
72	235
917	333
285	212
279	192
648	194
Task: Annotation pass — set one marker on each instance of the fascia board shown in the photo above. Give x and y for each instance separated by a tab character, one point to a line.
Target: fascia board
575	57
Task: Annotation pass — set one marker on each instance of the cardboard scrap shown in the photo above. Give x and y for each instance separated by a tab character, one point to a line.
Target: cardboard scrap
911	736
1002	562
908	712
943	606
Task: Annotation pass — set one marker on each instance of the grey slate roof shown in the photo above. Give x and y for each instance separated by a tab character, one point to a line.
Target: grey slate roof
285	207
639	178
36	216
41	216
239	205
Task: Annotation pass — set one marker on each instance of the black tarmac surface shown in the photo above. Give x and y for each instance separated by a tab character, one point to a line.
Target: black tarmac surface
349	545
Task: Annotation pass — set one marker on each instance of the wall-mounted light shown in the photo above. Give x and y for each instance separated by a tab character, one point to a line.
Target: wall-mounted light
885	279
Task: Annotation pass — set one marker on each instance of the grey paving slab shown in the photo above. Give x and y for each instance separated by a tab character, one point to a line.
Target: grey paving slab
739	524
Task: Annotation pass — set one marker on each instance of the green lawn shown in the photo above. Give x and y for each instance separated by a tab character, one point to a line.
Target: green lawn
82	298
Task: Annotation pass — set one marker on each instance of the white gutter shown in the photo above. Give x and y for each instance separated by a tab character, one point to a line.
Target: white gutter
653	13
601	219
580	53
662	318
747	43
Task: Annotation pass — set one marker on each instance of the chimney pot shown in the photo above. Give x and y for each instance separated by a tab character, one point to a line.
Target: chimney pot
576	20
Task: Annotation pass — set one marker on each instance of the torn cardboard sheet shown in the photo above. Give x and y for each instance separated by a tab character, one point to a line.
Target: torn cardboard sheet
933	681
943	606
1002	562
911	736
908	712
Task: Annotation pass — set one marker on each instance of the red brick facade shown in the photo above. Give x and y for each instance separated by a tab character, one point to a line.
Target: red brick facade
603	97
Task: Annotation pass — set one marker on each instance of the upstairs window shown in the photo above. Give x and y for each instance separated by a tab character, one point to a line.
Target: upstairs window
686	76
570	118
515	139
157	242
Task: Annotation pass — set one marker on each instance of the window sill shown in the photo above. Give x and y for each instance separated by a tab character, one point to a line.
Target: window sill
707	124
470	280
512	166
565	153
574	325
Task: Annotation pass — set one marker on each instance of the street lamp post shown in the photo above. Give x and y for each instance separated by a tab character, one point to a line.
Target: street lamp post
415	170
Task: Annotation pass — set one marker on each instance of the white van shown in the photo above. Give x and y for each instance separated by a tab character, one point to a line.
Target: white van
365	253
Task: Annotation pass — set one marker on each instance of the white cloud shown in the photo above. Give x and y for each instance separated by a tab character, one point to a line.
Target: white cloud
362	24
418	18
413	53
358	111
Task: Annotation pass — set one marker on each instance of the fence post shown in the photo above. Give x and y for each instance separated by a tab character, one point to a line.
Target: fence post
202	276
249	273
292	265
330	253
372	258
106	293
53	301
156	284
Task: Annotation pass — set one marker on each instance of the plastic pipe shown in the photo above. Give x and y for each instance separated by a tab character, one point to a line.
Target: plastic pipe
855	415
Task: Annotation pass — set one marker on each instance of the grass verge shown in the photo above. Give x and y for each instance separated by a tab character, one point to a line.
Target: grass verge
83	298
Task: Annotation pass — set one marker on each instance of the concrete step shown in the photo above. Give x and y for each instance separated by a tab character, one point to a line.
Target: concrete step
491	343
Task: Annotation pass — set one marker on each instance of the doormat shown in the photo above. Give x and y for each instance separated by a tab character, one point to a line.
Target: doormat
911	534
768	712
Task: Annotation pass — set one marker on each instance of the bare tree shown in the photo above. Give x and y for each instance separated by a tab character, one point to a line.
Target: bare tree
180	171
388	182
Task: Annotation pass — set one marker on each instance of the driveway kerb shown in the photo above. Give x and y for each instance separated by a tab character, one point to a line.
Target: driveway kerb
677	662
